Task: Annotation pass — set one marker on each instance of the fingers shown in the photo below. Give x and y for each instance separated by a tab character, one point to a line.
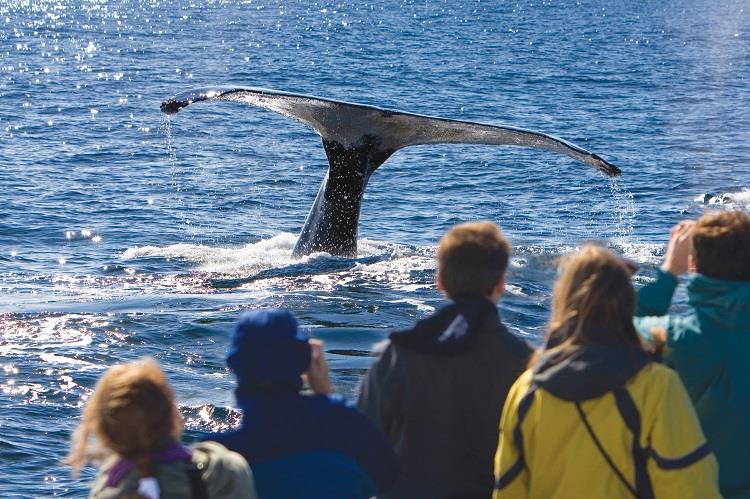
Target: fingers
658	340
316	351
317	373
679	248
682	228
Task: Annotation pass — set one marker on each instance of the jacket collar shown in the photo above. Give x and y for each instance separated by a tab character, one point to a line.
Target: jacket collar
451	330
122	468
726	302
588	372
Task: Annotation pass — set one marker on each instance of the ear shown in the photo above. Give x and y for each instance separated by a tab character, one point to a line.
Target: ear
179	424
439	281
498	290
500	286
691	264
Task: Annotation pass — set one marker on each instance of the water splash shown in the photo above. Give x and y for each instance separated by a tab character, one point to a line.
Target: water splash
624	211
172	154
174	174
731	200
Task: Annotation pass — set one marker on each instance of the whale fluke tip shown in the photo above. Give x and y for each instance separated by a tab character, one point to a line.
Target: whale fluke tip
605	166
172	106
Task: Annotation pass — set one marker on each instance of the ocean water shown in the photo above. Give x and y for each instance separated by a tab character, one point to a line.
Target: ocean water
124	234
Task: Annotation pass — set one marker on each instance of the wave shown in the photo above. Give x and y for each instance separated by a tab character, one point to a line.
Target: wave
268	263
266	253
273	252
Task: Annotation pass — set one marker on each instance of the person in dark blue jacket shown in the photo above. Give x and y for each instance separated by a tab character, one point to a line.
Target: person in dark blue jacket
299	446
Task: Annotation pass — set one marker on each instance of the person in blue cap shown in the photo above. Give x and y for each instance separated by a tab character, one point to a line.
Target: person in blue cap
299	446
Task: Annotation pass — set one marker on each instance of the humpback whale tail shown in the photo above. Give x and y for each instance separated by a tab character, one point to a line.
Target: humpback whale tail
357	140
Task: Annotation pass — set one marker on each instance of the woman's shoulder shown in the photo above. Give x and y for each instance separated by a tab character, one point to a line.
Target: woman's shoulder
524	381
210	454
653	384
101	488
225	472
655	372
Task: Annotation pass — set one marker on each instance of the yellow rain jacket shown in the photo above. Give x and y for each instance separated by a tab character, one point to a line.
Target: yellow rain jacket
604	423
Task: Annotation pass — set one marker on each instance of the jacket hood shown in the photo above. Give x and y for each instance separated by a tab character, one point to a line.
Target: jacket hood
449	331
588	372
726	302
267	354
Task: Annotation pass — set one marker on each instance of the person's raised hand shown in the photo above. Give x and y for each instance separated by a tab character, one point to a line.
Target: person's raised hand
679	249
317	373
658	341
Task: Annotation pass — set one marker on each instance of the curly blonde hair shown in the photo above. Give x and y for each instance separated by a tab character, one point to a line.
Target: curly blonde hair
132	412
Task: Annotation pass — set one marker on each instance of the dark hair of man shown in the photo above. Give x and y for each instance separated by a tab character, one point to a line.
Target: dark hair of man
721	244
472	258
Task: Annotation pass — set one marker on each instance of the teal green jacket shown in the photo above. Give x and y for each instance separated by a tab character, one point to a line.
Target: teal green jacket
709	346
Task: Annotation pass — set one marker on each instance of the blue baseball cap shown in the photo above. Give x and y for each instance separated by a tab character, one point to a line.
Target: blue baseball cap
267	353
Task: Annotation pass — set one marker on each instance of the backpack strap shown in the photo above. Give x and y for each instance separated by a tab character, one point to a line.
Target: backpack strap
603	452
523	408
631	416
629	413
197	485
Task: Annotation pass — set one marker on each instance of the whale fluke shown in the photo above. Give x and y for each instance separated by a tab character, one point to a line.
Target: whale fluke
357	140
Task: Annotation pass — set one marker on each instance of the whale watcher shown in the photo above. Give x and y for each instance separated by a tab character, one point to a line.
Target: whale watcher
708	344
136	427
596	415
299	446
437	389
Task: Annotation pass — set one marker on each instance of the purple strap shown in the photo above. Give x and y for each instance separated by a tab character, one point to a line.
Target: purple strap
175	452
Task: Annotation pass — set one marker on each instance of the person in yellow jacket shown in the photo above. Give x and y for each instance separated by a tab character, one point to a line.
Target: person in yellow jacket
596	416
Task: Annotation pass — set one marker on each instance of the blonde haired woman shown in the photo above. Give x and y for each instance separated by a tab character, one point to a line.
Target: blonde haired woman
136	424
595	416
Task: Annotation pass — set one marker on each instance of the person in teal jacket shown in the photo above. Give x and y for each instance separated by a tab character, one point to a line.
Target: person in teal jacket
709	345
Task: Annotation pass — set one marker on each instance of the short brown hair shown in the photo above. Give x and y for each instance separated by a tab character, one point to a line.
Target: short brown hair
721	242
472	258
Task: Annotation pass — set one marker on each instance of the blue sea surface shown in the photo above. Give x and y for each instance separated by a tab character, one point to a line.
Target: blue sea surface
124	234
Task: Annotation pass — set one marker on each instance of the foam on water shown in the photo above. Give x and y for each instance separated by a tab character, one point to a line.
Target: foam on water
643	253
267	253
276	253
739	200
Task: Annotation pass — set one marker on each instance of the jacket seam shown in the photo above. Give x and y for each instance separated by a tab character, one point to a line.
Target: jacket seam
674	463
523	408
